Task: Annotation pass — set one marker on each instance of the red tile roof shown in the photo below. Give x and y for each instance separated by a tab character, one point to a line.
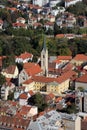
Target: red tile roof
15	121
19	25
10	69
23	96
31	92
60	36
57	61
32	68
64	57
60	79
82	79
25	55
80	57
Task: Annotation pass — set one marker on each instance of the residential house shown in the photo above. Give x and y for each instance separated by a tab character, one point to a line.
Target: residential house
40	3
37	9
10	72
6	89
30	93
64	59
69	36
29	85
20	20
53	3
59	22
19	25
29	70
71	2
27	111
12	9
81	82
71	121
23	99
24	57
1	24
79	59
32	20
10	123
49	25
50	18
49	120
50	98
37	25
71	21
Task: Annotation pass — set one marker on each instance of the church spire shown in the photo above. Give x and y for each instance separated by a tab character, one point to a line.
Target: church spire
44	43
44	58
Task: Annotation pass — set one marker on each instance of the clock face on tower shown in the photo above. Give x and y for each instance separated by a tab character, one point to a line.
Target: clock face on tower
77	100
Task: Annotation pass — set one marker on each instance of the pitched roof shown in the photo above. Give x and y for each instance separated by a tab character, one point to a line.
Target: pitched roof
80	57
32	68
67	75
23	96
19	25
64	57
31	92
1	21
82	79
10	69
60	36
25	55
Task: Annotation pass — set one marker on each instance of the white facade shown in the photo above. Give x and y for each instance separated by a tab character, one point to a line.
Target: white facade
80	84
71	121
21	60
23	102
71	2
85	102
54	2
29	86
5	91
40	2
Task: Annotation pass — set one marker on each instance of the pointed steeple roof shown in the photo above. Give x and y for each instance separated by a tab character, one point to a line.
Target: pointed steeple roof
44	42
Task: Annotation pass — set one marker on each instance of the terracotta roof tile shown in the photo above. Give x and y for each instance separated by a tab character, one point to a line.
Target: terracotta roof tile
60	36
80	57
82	79
23	96
67	75
10	69
25	55
64	57
31	92
32	68
19	25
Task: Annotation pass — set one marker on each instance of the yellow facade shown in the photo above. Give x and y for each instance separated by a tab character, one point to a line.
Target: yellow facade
52	86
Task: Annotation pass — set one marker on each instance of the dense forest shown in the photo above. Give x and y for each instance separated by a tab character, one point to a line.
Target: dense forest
31	41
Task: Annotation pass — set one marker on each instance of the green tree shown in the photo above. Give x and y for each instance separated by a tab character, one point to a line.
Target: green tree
40	102
81	89
11	96
2	79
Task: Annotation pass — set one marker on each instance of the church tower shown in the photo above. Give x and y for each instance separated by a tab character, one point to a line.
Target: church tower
44	58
